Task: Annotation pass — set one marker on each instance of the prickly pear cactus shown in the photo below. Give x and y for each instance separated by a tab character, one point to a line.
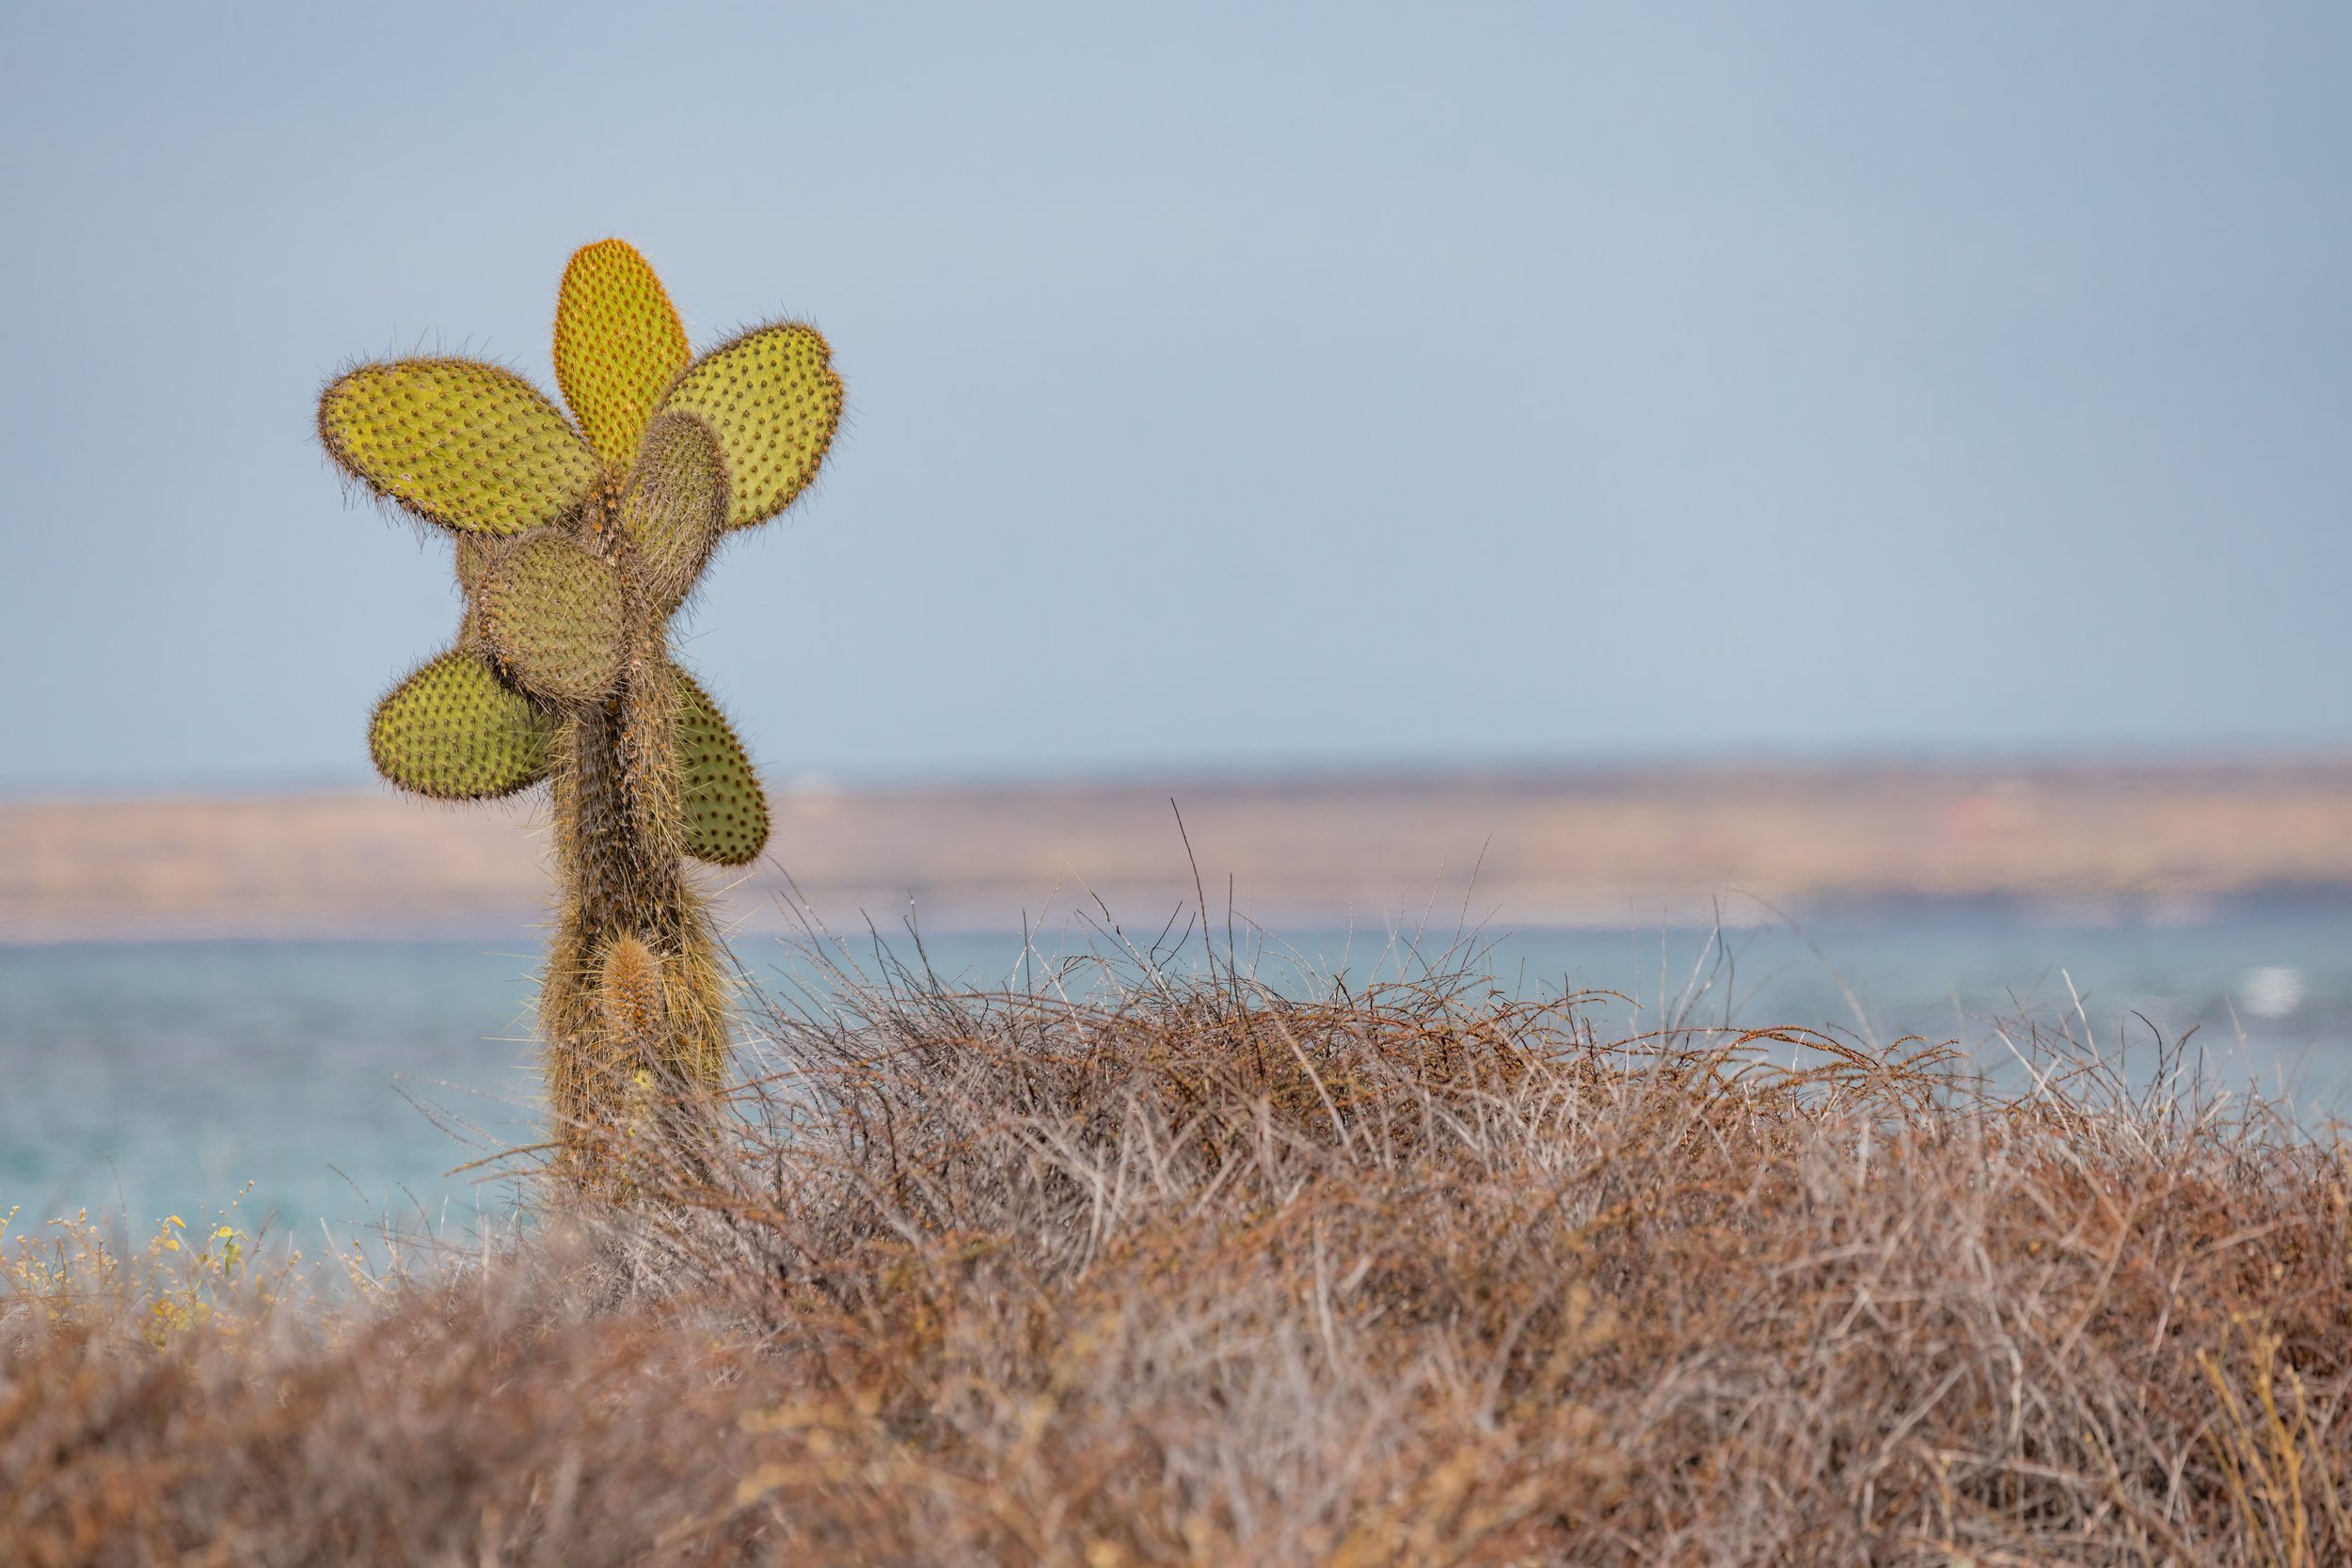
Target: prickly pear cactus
577	539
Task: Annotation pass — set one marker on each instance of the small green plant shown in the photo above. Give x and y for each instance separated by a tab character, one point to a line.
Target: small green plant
70	1274
577	540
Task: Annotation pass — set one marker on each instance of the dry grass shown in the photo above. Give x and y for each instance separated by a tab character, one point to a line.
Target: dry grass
1416	1275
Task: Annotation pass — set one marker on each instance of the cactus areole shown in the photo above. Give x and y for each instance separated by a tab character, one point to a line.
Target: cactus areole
577	539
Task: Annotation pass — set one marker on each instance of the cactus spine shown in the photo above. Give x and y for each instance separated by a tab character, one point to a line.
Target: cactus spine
577	539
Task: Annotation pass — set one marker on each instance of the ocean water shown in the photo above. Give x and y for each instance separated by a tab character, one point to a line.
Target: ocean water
346	1083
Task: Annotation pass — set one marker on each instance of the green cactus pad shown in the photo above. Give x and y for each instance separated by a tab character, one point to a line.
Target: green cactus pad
463	444
727	816
552	614
773	399
453	732
675	505
618	342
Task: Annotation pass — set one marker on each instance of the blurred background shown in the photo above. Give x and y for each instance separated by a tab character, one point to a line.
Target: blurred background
1872	477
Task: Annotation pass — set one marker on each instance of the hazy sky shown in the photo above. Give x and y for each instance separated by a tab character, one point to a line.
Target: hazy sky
1247	386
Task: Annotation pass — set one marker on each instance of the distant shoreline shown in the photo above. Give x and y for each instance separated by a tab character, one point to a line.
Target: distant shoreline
2088	843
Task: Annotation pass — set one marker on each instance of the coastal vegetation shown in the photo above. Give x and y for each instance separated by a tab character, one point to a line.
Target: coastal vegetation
1172	1268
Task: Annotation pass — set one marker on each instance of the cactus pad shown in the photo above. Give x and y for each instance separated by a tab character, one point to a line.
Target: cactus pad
552	615
675	505
727	816
453	732
618	342
463	444
773	399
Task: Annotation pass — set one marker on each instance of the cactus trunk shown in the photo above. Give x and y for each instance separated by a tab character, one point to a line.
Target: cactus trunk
622	887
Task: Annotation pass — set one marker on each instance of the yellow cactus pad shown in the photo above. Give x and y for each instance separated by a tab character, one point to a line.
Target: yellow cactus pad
727	816
463	444
618	342
553	616
773	399
453	732
675	505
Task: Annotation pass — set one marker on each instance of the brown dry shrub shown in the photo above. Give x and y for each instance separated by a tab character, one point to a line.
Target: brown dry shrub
1197	1275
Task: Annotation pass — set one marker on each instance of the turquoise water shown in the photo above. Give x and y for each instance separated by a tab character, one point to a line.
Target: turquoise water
141	1080
347	1081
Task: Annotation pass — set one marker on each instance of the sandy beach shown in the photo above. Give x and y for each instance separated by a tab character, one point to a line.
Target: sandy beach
2080	842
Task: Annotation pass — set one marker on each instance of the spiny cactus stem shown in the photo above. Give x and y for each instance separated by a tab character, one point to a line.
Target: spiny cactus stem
619	836
648	747
615	870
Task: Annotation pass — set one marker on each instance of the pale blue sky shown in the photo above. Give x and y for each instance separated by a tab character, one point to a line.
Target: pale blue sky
1231	387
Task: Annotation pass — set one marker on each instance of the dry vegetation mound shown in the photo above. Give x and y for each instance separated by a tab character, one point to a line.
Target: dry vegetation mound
1417	1274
